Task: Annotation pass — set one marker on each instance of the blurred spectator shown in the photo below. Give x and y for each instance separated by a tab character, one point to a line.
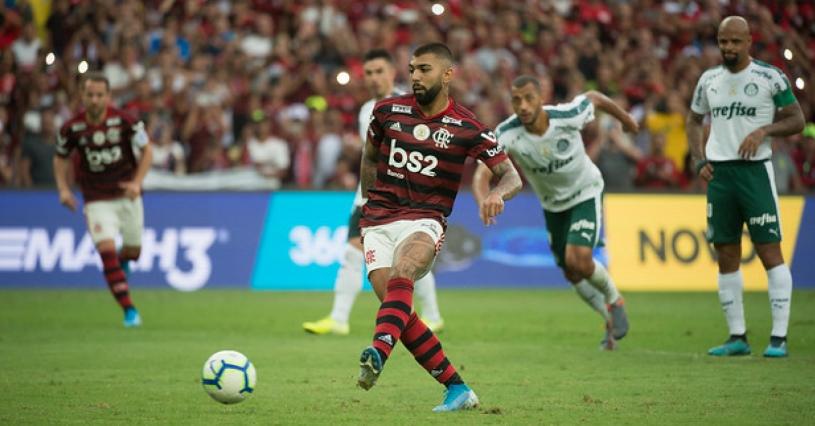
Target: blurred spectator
786	176
26	48
168	154
269	154
656	170
804	157
38	147
668	118
615	154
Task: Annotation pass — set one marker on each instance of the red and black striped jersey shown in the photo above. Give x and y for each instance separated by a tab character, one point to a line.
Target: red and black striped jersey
106	156
421	159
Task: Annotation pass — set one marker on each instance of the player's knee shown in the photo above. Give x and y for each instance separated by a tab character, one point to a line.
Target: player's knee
770	254
130	253
579	264
572	276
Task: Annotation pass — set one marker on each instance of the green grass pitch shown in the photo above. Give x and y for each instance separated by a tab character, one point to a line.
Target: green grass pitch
531	355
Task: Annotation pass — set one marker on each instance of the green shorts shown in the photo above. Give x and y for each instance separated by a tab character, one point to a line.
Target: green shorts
742	192
578	225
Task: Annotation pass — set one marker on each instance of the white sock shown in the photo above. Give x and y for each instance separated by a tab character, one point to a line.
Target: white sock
348	284
730	296
593	297
780	290
601	280
425	291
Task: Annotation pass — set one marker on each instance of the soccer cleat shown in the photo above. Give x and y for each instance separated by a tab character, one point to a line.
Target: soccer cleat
732	347
619	320
325	326
777	348
370	367
609	343
435	326
457	397
132	318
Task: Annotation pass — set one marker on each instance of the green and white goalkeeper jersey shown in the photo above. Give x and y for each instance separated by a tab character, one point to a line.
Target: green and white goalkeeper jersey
738	104
555	164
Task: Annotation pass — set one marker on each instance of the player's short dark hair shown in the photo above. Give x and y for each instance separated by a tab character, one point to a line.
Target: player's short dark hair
523	80
378	54
95	76
439	49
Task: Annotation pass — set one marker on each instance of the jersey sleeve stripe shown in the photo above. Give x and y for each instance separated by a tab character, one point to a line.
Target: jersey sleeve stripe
569	113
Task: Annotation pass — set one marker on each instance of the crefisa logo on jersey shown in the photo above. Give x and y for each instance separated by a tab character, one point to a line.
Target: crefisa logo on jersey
751	89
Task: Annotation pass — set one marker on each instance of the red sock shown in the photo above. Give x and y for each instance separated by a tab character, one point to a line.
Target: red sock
115	277
393	315
426	348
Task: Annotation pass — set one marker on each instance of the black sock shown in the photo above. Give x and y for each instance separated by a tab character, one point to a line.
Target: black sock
776	341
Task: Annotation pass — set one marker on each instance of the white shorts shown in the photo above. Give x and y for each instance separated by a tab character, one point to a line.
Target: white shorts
108	218
380	241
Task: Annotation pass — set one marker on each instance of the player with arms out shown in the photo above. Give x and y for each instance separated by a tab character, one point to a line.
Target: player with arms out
411	170
110	177
749	102
379	77
546	145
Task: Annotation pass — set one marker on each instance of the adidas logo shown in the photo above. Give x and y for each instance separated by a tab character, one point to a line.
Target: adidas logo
387	338
436	373
396	126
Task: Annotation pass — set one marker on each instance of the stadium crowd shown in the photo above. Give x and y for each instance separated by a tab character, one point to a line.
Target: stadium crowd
260	84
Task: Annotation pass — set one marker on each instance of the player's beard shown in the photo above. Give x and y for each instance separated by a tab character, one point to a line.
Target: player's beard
730	61
429	94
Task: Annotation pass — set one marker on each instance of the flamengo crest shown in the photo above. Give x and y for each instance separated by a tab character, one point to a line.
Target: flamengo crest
442	138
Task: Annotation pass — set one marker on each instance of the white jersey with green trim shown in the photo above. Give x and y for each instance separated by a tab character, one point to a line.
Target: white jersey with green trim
739	103
363	119
555	164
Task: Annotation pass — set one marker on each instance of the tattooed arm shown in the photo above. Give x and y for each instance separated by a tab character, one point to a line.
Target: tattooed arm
367	169
509	184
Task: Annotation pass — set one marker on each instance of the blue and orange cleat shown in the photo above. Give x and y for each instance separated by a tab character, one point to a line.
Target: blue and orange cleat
457	397
370	367
132	318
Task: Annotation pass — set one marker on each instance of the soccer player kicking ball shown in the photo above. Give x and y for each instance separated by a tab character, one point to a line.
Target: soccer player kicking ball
546	145
749	102
411	170
110	177
379	76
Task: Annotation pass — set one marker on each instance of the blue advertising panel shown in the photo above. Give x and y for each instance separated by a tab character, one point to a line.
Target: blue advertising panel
303	241
512	252
190	240
803	268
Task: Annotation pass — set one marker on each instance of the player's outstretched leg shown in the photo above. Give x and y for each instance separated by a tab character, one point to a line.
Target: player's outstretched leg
601	280
391	320
117	283
425	289
347	286
427	350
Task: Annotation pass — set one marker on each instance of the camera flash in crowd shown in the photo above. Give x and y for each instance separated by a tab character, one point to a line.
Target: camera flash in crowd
788	54
343	78
799	83
82	67
437	9
49	58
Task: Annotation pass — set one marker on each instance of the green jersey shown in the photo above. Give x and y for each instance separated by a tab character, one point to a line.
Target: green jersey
739	103
555	164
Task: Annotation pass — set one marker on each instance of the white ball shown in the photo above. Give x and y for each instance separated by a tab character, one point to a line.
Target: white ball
228	377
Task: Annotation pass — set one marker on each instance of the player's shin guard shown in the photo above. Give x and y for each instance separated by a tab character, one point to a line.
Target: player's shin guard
593	297
601	280
393	316
348	284
426	295
426	348
730	296
780	291
115	277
